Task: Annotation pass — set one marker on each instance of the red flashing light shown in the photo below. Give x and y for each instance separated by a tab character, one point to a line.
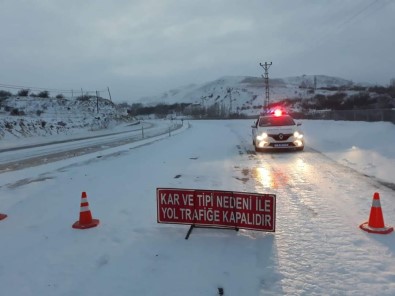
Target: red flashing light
278	112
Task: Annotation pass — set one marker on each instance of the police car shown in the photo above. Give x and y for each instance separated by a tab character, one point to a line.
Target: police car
275	130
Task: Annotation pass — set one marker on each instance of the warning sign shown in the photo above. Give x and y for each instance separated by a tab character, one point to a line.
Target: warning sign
216	208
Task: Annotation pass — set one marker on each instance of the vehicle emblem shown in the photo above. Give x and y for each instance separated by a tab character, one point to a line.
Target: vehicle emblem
281	136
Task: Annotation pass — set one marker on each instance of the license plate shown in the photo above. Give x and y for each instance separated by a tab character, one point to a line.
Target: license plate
280	145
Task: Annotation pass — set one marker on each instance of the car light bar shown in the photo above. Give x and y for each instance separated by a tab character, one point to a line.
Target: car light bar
276	112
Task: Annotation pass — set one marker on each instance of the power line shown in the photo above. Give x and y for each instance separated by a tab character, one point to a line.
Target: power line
19	87
381	6
351	19
357	14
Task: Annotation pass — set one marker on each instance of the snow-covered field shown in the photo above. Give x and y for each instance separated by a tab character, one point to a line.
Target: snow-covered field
323	194
367	147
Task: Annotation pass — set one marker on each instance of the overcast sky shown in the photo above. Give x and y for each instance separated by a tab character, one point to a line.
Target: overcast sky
139	48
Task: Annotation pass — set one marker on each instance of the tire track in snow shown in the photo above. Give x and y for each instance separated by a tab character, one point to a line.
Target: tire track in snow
325	244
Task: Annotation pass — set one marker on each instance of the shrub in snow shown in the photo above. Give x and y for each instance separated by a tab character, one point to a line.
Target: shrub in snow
5	94
16	112
43	94
8	125
23	92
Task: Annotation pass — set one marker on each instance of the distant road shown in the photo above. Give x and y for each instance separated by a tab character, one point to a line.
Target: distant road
21	157
137	127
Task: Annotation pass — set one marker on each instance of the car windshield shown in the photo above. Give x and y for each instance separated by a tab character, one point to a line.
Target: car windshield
276	121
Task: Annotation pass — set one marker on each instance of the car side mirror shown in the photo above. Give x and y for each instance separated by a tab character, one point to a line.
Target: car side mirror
299	124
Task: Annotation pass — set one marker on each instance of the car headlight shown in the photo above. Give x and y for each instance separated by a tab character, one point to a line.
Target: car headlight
298	135
261	137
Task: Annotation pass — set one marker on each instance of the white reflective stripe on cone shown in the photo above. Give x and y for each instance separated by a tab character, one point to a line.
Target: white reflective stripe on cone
84	199
84	209
376	203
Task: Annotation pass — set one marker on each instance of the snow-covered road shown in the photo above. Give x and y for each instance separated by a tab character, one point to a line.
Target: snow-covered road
320	203
23	155
317	249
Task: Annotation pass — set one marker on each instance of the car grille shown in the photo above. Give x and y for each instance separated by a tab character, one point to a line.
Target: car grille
280	137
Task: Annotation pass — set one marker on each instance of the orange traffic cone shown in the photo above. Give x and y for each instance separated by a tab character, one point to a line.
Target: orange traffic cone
86	220
376	220
3	216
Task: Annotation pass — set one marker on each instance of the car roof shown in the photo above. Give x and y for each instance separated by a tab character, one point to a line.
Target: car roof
272	115
272	120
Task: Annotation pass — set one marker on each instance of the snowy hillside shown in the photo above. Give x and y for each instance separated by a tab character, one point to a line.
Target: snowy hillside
34	116
25	116
246	94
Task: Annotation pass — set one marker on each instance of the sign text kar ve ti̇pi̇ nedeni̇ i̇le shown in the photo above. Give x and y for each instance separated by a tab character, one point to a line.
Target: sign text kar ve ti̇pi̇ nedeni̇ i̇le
216	208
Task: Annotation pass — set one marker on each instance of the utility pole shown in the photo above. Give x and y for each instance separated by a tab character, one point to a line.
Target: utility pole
97	102
229	90
266	67
109	93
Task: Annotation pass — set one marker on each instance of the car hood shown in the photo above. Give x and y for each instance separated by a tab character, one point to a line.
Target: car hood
279	129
